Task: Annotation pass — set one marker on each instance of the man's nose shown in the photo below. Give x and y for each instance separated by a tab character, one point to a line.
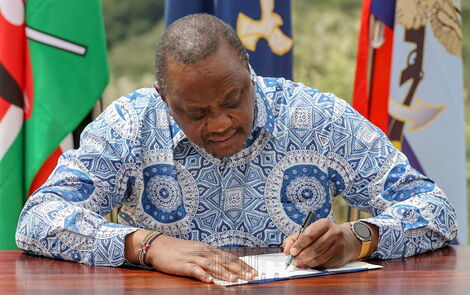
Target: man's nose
219	123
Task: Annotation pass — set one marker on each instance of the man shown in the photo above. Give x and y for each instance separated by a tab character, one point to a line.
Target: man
215	156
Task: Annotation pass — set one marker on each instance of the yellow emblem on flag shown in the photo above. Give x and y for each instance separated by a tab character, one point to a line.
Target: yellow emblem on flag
443	15
250	30
419	116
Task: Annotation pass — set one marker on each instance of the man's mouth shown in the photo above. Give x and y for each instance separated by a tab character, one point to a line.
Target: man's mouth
224	138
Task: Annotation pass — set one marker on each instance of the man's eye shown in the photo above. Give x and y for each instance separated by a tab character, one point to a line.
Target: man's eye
235	102
196	117
232	105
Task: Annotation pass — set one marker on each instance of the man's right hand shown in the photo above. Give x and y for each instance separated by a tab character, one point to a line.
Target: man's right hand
188	258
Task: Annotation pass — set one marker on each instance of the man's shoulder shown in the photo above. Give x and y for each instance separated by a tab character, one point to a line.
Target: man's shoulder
138	102
143	96
142	105
294	94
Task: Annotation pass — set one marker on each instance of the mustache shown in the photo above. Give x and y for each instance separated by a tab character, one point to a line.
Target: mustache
233	130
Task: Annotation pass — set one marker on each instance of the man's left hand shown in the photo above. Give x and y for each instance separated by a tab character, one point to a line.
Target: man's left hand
323	244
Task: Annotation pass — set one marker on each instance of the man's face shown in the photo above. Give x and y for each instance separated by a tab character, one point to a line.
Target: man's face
212	101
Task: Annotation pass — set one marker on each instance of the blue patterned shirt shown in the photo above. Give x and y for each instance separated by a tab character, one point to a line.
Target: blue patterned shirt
305	148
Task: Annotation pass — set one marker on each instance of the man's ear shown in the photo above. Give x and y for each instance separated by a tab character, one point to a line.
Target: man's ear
159	90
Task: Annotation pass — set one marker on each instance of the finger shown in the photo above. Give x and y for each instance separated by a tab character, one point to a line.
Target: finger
310	235
235	265
320	246
333	262
288	242
329	259
316	259
213	267
195	271
226	266
240	268
291	237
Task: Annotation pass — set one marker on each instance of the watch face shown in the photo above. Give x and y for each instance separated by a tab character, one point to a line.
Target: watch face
362	230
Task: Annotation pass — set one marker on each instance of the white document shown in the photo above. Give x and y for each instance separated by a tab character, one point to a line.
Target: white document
272	267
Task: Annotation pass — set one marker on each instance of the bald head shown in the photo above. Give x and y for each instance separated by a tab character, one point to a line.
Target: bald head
191	39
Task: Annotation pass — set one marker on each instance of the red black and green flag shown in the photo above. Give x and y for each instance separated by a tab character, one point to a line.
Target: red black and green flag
53	69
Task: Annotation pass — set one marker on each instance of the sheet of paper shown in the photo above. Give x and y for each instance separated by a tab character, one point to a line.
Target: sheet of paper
272	267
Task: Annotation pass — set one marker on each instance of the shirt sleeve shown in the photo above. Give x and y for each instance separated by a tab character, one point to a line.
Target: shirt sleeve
64	218
413	215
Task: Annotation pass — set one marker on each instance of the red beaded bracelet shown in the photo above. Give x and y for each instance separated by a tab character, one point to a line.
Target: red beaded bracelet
149	238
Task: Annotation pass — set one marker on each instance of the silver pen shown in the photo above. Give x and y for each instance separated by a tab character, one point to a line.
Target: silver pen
306	223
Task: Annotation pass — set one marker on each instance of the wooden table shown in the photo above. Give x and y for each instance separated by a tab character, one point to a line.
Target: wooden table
445	271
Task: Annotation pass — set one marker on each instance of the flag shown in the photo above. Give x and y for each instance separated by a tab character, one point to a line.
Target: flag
53	68
175	9
263	26
409	82
374	56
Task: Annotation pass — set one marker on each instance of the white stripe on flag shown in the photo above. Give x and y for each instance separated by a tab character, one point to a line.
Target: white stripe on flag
54	41
10	126
67	143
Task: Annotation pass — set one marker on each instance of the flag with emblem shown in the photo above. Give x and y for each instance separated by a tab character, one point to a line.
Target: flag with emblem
53	68
263	26
409	82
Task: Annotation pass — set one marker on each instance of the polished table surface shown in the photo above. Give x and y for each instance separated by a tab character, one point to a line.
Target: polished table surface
444	271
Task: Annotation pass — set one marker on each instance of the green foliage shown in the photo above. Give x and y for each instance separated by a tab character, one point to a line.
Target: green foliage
325	36
132	63
125	19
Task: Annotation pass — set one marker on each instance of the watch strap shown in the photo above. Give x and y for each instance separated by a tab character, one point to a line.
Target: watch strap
365	243
364	249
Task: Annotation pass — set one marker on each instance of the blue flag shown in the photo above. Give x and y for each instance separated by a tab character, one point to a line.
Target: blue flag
175	9
263	26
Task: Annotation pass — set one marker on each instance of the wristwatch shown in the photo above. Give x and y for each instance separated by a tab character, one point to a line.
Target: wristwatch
363	233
